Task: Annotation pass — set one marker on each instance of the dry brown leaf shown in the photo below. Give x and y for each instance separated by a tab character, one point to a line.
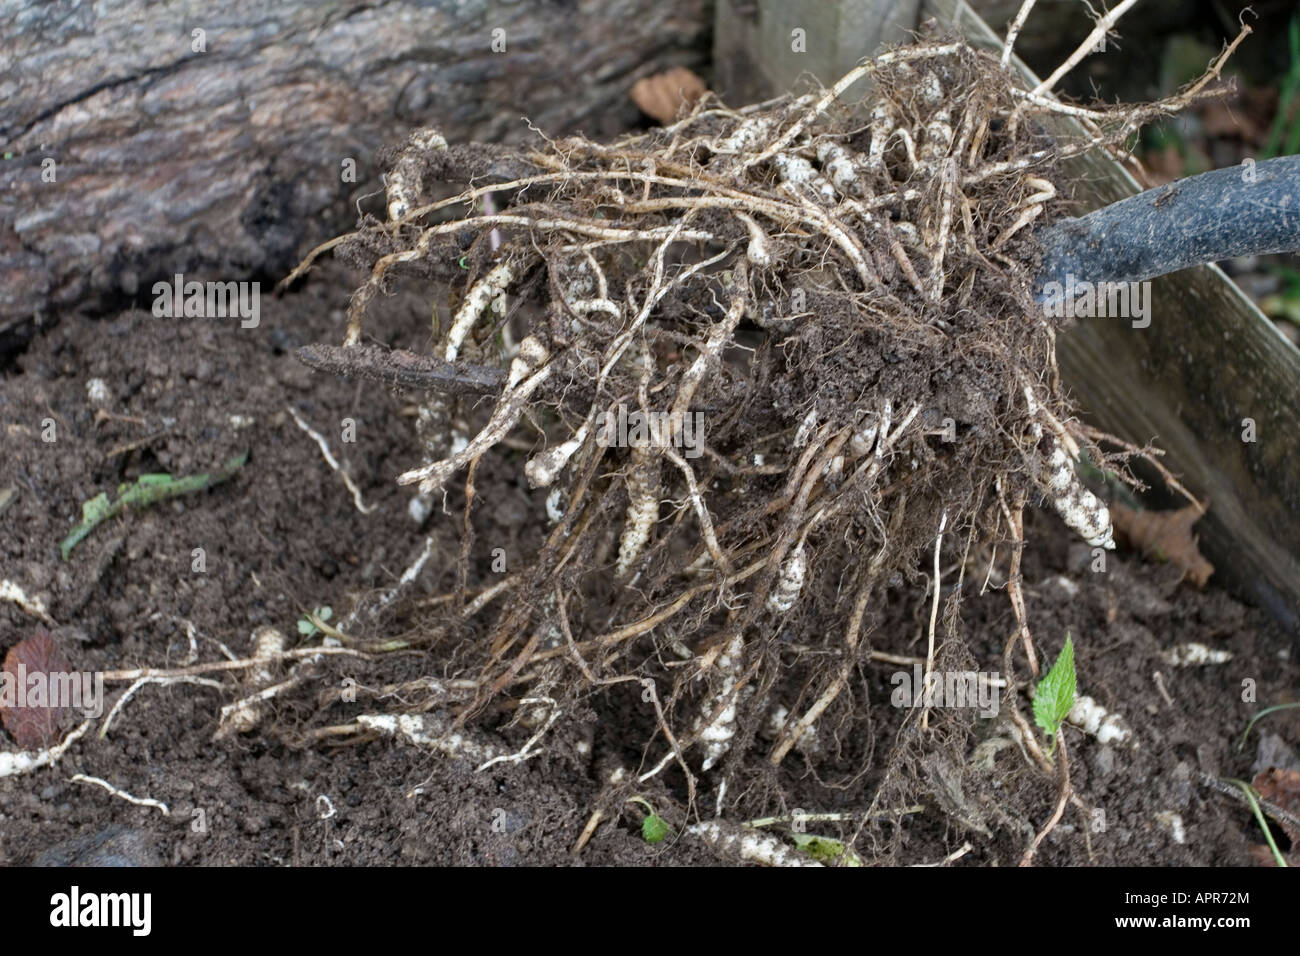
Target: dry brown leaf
24	704
1166	535
664	94
1281	788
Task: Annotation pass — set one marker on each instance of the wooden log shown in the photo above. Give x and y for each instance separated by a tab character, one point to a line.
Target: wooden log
224	153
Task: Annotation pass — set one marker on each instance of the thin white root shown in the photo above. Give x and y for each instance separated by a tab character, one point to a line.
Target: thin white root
1104	25
332	462
121	794
1014	30
752	845
1108	727
10	591
504	417
130	691
526	752
387	598
716	725
15	762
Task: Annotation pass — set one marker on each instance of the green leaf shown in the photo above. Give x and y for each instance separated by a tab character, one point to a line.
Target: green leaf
305	627
655	829
147	490
1055	694
825	849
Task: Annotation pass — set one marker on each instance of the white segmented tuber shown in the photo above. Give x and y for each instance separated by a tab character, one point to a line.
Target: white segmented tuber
753	845
864	439
403	183
805	429
1090	717
532	353
555	505
774	729
1194	654
746	137
938	137
909	235
12	591
882	124
544	467
268	644
785	593
886	422
1173	822
840	168
430	732
931	88
1078	507
716	735
797	171
244	715
642	507
479	297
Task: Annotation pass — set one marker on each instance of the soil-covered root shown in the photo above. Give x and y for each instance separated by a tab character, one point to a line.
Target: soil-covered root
764	355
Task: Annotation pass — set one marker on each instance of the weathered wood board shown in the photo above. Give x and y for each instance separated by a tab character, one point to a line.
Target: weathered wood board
1208	362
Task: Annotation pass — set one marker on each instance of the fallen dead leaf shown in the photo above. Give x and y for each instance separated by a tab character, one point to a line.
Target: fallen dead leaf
1167	536
1282	789
28	717
664	94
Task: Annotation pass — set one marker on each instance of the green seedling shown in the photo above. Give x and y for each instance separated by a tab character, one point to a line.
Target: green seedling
1252	797
1284	137
825	849
1285	303
307	626
147	490
654	828
1262	714
1055	694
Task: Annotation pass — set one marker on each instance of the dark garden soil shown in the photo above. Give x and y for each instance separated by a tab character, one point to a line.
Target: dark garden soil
283	536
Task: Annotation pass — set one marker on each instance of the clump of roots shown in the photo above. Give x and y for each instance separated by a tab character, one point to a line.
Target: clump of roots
816	319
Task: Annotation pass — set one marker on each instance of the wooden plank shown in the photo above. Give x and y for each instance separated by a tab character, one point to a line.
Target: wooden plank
1209	361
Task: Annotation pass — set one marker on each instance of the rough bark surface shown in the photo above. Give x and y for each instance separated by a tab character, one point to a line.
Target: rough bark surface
227	162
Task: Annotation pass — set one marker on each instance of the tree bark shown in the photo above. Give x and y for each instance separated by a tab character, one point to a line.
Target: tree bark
222	154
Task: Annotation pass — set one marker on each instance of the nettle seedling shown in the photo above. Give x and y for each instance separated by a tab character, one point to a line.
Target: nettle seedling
308	627
654	828
1054	696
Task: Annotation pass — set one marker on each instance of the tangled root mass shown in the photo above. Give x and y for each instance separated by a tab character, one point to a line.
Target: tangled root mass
757	358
